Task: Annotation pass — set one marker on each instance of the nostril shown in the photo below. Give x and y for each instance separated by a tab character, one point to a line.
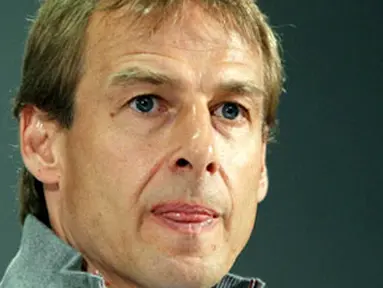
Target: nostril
212	168
182	162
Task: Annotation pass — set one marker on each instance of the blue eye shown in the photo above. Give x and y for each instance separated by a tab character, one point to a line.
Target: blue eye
144	103
229	111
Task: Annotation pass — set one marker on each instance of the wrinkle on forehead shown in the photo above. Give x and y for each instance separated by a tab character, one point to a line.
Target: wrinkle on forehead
113	36
198	30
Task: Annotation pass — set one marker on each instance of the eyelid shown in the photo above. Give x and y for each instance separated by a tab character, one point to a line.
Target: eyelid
160	104
135	97
245	111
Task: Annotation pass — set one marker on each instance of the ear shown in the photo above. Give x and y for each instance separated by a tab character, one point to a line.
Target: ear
38	137
264	179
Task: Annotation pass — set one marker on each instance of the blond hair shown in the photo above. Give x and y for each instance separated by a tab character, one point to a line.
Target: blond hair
55	48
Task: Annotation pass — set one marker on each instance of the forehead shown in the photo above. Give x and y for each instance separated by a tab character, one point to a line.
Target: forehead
191	28
193	38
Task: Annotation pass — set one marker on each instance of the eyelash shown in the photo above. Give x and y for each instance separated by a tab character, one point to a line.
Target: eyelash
245	111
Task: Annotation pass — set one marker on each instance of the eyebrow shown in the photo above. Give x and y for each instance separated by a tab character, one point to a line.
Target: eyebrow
136	74
240	87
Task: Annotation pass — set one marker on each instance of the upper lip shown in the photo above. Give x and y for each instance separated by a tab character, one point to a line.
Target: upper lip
183	207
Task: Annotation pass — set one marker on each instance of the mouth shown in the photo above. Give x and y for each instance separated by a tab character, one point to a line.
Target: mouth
185	218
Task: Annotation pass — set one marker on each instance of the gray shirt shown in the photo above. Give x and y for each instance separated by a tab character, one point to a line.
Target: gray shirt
44	260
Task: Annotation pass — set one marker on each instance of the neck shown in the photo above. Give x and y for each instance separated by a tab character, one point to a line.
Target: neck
88	267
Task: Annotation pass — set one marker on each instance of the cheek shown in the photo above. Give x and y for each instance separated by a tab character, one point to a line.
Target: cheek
109	168
244	212
245	173
244	196
100	187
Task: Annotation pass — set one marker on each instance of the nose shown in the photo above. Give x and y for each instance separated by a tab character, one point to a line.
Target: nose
183	164
196	151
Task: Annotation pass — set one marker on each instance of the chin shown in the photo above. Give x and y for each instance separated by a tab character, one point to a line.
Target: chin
188	272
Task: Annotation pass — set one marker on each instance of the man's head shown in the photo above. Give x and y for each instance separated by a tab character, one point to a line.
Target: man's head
140	118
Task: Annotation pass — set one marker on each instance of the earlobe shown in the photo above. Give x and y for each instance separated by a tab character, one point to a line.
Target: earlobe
264	178
37	142
263	185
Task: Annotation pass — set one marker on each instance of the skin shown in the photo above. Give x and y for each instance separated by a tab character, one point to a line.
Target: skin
103	175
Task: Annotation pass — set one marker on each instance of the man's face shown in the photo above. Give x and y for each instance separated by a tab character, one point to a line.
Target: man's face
164	166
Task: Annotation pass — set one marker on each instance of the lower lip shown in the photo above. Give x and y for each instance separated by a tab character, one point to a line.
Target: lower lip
190	228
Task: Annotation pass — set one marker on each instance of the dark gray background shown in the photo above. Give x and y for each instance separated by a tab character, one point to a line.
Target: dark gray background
321	224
